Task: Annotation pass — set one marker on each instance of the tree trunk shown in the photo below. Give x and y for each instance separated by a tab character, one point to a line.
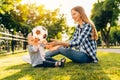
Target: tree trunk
107	40
105	36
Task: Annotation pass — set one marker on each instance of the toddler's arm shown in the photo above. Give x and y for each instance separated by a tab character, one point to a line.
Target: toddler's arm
32	49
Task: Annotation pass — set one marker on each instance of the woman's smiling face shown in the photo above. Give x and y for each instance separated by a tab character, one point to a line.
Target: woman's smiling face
75	15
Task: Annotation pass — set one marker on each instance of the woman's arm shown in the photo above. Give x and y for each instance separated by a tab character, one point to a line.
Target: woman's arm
56	43
65	44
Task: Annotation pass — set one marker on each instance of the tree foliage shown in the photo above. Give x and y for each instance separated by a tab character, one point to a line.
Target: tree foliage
105	13
7	5
115	35
23	17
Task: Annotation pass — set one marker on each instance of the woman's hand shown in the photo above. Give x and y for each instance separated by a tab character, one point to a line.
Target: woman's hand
54	42
48	46
52	48
53	45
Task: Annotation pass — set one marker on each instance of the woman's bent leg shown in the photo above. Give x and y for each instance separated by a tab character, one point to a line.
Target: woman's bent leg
75	56
52	53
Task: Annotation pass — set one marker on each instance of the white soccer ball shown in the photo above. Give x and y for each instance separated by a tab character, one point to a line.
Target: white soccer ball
40	32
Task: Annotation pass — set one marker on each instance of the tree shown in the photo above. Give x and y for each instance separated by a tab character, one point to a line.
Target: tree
23	17
7	5
105	14
115	35
37	15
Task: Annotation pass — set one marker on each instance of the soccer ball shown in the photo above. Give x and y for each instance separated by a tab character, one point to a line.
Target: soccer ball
40	32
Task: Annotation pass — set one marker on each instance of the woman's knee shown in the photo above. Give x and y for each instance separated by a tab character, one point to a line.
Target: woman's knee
62	49
47	54
52	53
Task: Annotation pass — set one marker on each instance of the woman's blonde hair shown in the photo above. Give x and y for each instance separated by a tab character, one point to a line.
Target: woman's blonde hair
85	19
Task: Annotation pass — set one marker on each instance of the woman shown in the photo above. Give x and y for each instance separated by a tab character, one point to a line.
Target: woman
37	57
82	48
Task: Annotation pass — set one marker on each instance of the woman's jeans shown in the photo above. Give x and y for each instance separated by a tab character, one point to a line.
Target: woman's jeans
75	56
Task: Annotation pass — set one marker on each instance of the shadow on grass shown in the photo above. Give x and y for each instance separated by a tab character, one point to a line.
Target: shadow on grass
71	71
91	71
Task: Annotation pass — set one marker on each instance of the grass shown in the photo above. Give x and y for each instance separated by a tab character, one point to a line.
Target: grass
12	67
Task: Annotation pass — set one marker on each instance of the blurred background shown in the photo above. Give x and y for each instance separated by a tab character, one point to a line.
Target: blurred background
18	17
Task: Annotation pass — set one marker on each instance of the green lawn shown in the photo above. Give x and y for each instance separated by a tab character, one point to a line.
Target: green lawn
108	68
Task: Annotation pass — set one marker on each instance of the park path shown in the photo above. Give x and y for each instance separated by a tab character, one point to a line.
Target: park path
114	50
